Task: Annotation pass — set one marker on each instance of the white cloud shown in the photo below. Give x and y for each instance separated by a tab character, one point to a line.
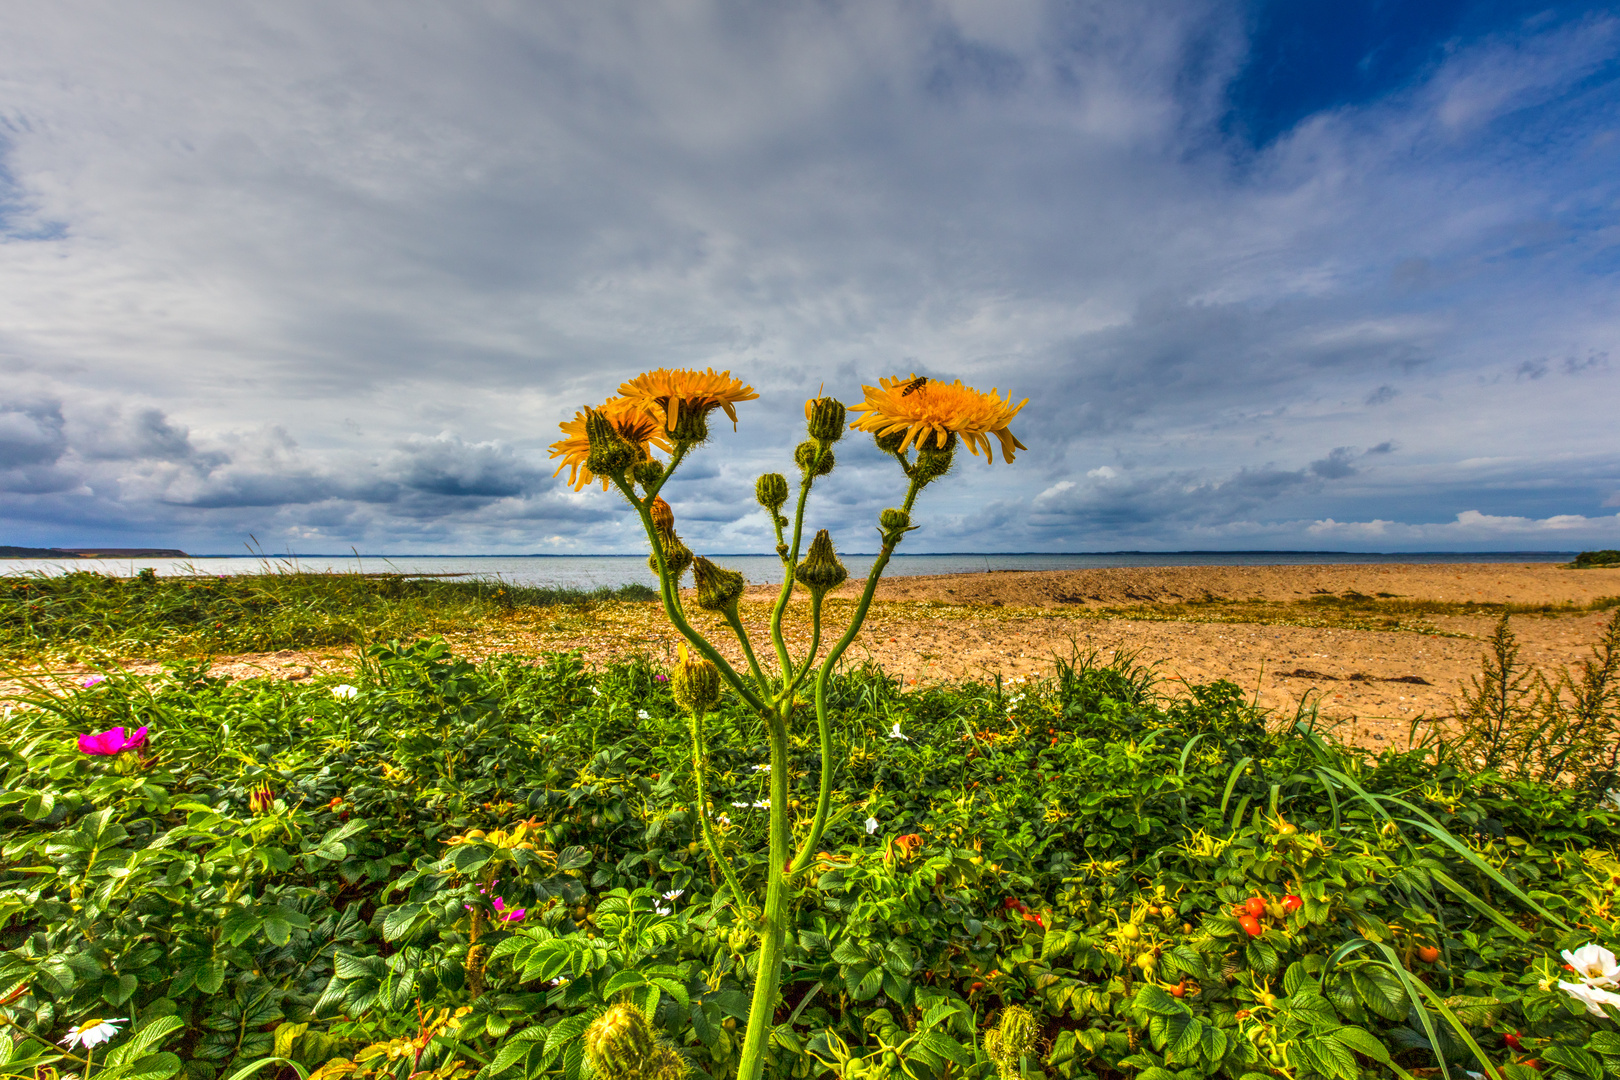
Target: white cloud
319	272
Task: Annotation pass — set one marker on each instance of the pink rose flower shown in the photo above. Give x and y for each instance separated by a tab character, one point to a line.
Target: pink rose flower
114	741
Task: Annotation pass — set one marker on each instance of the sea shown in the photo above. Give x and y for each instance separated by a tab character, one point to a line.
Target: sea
595	571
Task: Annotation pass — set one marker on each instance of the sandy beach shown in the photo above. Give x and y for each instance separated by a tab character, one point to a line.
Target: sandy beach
1256	626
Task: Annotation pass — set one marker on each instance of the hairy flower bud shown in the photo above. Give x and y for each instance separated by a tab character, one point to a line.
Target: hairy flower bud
691	427
821	569
667	1064
717	587
648	472
695	683
620	1043
894	524
663	517
1011	1039
825	419
610	452
890	442
772	491
932	464
677	556
809	455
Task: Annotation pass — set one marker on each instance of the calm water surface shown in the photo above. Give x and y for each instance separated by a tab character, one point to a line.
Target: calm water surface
590	571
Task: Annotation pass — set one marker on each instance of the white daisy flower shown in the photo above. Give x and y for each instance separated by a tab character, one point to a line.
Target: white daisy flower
344	690
674	894
92	1033
661	909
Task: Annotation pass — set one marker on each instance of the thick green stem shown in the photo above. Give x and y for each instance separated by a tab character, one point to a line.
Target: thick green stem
700	769
773	927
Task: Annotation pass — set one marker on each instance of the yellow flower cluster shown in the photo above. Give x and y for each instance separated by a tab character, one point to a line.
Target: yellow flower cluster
521	836
638	427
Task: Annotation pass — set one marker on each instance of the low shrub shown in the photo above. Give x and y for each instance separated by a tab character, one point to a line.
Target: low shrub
447	870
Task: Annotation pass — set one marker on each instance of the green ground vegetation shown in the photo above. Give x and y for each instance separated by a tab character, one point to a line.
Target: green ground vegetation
1606	557
97	615
1069	878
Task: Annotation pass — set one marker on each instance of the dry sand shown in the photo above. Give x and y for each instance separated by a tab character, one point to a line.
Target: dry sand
1375	682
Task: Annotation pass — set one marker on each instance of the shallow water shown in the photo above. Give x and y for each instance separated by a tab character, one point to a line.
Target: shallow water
592	571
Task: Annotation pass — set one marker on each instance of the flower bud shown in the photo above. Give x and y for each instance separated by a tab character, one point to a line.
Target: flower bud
932	464
663	517
261	800
890	442
821	569
610	452
772	491
809	455
1011	1039
894	524
677	556
667	1064
692	427
619	1044
825	419
695	683
648	472
717	587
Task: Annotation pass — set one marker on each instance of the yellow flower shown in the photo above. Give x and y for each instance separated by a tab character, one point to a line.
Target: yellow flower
924	407
628	418
666	392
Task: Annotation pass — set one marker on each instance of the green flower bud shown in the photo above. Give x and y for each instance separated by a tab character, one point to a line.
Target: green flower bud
692	427
695	683
772	491
806	456
648	473
677	556
890	443
667	1064
1012	1038
610	452
893	525
933	464
825	418
717	587
620	1043
821	569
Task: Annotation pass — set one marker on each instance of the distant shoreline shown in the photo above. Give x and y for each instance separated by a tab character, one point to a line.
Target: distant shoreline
168	553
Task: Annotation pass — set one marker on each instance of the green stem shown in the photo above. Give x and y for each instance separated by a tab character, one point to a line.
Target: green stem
748	649
700	766
672	605
773	929
815	642
818	824
788	566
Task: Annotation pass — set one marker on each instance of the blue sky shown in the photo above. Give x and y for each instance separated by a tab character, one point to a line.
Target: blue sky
1272	275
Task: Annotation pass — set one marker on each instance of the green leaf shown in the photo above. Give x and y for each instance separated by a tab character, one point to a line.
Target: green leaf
1576	1060
397	923
1155	999
1381	992
869	985
211	976
1362	1042
573	858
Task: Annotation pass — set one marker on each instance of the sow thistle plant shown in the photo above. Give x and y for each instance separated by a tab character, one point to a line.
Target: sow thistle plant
921	423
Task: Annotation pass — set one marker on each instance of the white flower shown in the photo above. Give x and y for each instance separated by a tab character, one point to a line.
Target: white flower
762	768
643	714
661	909
722	819
597	691
1594	964
1590	996
344	690
741	804
894	733
92	1033
871	826
674	894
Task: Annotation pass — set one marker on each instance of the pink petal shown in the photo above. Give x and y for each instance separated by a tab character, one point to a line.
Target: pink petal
137	739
